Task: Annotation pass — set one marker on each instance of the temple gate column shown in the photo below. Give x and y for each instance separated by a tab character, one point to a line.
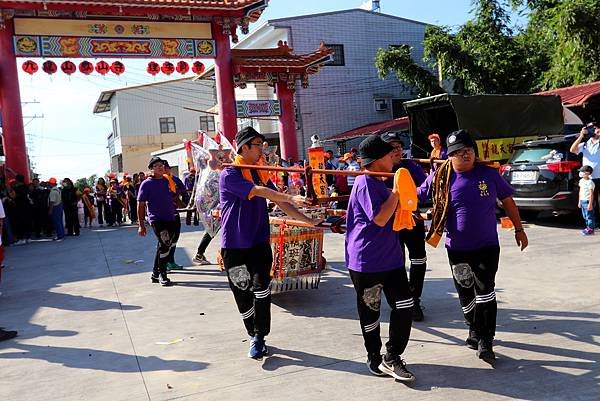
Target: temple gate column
287	121
224	82
10	105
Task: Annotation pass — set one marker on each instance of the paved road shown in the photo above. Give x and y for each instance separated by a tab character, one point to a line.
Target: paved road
89	321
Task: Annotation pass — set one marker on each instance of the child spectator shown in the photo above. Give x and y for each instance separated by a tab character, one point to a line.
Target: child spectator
89	212
586	199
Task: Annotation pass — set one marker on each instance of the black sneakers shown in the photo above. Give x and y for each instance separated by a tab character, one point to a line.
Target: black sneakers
417	311
201	259
373	362
473	340
164	281
7	335
396	367
485	350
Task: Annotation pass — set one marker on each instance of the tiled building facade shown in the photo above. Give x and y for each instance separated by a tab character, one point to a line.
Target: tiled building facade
348	93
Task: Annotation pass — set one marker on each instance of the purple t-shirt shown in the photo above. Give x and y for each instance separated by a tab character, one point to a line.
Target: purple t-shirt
471	222
158	198
244	223
370	248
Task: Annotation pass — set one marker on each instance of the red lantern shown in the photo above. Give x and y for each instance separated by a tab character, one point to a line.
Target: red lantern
68	67
198	67
167	68
102	67
49	67
182	67
117	68
153	68
30	67
85	67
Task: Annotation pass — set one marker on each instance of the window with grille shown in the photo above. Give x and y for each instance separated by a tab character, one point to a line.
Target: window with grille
207	123
338	56
115	127
167	125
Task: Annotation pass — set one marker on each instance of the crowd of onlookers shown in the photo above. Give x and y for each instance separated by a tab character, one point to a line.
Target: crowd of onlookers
49	209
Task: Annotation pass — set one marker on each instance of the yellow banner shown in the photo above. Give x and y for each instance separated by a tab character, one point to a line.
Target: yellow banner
316	160
499	148
112	29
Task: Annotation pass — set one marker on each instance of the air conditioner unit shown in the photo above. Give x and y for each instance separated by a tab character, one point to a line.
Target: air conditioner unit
381	105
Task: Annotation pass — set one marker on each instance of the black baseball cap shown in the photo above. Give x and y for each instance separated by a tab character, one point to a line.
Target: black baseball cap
458	140
245	135
373	148
155	159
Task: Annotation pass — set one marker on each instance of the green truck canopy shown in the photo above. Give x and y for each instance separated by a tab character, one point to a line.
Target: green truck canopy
483	116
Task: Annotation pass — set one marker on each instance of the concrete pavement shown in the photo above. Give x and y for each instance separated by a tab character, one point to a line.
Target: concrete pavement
92	327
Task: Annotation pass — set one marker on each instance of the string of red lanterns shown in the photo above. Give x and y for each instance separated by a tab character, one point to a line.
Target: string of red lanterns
117	68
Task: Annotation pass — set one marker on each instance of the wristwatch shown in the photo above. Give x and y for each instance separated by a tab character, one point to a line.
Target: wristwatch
519	230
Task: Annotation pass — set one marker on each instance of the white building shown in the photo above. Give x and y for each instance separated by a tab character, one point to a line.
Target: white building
150	117
348	93
344	95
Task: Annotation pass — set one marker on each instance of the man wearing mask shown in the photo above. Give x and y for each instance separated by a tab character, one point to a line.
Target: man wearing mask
590	150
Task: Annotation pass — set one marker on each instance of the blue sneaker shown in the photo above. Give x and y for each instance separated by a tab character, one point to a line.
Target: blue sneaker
258	348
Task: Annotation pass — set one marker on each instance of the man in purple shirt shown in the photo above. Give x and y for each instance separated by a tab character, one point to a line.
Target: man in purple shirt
414	239
179	192
245	236
376	262
154	192
471	235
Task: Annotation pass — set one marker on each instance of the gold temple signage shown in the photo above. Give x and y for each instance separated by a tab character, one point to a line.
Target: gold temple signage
98	38
112	29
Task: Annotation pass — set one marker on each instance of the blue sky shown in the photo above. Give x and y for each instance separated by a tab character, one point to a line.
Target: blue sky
70	141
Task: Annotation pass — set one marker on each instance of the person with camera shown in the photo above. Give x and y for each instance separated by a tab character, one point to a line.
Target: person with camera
590	151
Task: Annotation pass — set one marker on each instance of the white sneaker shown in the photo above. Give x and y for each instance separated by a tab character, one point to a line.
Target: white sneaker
20	242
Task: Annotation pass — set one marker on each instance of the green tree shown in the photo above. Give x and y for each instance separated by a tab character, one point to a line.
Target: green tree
81	183
482	56
566	34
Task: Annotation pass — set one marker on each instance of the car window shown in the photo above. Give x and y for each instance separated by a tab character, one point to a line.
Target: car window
539	155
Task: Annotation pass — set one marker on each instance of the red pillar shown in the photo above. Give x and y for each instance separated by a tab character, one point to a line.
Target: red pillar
224	81
10	101
287	121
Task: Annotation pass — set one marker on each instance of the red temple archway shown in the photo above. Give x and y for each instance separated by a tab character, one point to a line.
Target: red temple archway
125	28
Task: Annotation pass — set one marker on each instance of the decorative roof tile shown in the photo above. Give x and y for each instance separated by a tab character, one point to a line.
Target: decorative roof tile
281	56
185	6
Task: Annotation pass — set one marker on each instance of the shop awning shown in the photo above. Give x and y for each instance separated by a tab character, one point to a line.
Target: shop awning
398	124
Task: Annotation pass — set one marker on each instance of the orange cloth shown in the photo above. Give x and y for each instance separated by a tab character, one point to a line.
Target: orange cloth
172	185
89	205
263	175
436	153
408	201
